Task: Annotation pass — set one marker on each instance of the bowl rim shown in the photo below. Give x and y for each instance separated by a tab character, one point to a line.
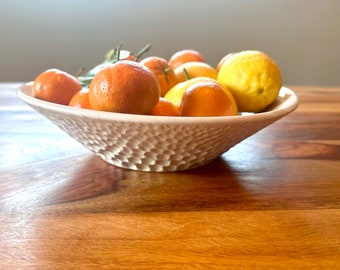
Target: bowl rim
287	102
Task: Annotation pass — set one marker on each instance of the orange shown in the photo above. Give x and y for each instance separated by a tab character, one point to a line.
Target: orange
195	69
207	99
56	86
124	87
185	56
165	108
175	94
165	74
81	99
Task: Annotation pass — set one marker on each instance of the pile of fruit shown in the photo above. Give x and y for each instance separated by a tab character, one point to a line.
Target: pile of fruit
184	85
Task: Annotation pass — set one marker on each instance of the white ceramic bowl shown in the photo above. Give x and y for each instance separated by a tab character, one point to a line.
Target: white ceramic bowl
157	143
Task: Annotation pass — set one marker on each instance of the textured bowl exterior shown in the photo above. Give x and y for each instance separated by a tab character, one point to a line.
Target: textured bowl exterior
157	143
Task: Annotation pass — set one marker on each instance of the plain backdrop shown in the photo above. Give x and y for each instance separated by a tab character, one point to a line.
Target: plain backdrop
303	36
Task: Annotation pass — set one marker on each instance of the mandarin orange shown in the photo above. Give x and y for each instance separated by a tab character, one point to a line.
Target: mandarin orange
81	99
56	86
195	69
175	94
124	87
184	56
165	108
207	99
165	74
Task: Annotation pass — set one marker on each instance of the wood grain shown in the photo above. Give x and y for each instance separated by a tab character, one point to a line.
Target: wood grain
270	202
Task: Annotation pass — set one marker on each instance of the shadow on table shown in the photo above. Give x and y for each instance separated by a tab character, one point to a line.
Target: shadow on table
106	188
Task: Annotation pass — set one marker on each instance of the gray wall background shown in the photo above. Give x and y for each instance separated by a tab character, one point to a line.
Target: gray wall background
303	36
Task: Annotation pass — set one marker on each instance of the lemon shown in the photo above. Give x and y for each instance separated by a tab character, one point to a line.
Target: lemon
253	78
175	94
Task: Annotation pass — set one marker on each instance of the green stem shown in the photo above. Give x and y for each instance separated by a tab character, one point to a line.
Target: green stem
113	55
186	74
166	70
118	52
80	72
142	51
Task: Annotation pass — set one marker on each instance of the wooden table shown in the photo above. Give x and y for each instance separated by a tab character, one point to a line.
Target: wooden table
272	201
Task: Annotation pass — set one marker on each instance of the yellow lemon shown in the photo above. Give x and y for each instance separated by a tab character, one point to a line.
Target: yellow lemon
195	69
175	94
253	78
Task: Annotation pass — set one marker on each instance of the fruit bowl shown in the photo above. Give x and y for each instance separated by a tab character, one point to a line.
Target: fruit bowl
157	143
